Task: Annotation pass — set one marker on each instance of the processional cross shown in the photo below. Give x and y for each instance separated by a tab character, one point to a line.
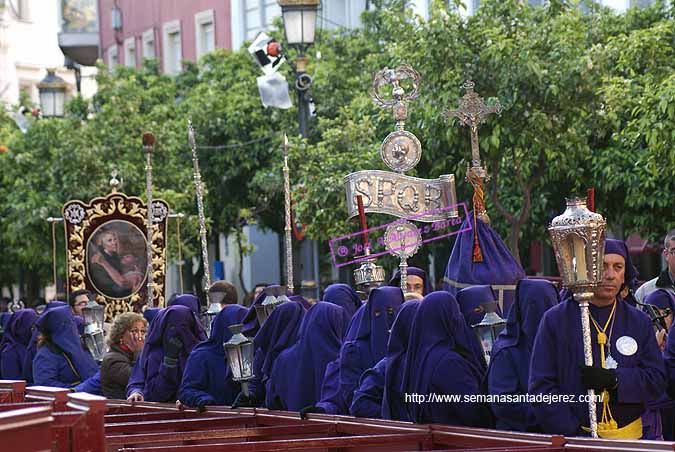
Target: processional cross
472	112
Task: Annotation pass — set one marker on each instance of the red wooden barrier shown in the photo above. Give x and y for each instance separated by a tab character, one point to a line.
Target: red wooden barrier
12	391
58	397
26	430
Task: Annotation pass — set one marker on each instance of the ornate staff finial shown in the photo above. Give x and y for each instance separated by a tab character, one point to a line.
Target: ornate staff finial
148	148
472	112
114	181
200	209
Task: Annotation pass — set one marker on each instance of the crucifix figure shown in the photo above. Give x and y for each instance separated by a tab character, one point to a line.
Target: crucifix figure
472	112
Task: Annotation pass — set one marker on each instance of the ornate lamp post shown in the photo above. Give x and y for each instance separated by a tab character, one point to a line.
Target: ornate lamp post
93	329
239	350
578	237
52	95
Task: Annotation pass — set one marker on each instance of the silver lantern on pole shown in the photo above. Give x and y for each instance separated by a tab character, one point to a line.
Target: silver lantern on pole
274	296
578	237
93	329
239	350
489	328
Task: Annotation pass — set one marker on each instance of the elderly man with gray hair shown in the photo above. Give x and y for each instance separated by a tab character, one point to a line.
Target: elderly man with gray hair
666	279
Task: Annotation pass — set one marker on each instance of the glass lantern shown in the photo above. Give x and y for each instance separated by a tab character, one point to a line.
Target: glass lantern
299	21
271	301
239	351
52	95
93	330
210	314
489	328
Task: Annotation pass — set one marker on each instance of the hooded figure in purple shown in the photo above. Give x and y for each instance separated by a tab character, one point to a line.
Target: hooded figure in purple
31	349
297	373
627	292
634	378
509	369
470	300
61	361
397	349
302	300
4	322
370	344
279	332
499	267
188	300
14	343
425	288
150	314
207	379
369	396
440	361
159	370
251	324
343	295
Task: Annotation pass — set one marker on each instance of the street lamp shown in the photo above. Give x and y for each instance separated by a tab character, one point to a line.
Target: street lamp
299	26
52	95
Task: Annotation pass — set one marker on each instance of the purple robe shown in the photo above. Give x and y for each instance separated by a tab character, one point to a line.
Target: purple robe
62	361
302	300
498	269
207	379
343	295
151	377
558	355
470	300
414	271
367	401
297	373
392	402
15	342
440	361
279	332
331	397
31	349
150	314
370	344
509	369
188	300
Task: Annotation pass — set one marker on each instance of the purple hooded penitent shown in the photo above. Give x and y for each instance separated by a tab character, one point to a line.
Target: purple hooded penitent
31	349
302	300
188	300
470	300
297	374
62	362
370	343
558	356
207	379
251	325
15	342
395	281
150	313
440	361
392	402
510	359
498	269
343	295
153	378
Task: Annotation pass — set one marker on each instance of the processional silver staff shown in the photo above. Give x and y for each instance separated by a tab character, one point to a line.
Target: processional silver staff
200	211
148	148
287	228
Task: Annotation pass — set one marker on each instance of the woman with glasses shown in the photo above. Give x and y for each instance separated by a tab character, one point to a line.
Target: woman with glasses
127	337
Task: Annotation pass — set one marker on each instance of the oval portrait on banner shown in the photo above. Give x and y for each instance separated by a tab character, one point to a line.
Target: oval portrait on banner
117	259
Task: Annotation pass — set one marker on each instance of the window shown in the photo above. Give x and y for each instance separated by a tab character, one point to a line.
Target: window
205	37
113	60
173	52
130	52
148	39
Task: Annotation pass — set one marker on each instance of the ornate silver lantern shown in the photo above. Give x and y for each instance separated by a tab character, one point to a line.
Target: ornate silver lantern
239	350
211	313
578	237
274	297
489	328
93	329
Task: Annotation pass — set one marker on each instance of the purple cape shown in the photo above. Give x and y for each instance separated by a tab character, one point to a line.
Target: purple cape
392	401
370	343
14	343
31	349
498	269
470	300
207	379
440	360
59	325
510	360
297	374
367	400
558	355
279	332
188	300
343	295
150	314
300	299
414	271
157	382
